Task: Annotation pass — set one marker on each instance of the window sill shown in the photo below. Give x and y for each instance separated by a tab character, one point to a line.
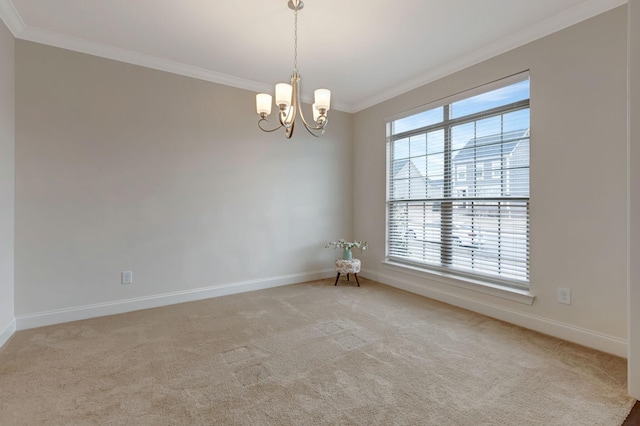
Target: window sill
515	295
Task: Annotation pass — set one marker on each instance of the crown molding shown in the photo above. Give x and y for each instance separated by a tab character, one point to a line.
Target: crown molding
11	18
584	11
54	39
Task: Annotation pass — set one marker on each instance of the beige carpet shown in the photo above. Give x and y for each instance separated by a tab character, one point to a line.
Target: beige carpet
309	353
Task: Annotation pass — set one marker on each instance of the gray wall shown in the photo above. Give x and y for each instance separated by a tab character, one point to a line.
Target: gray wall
634	192
120	167
7	156
578	180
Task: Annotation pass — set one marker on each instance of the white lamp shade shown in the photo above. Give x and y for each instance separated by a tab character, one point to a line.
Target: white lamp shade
316	113
323	98
283	94
263	103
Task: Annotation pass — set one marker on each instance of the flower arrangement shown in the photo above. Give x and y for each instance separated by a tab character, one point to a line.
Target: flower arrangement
348	245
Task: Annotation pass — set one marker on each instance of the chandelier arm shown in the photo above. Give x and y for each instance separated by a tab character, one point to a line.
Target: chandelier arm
267	130
287	120
320	126
297	106
309	127
312	131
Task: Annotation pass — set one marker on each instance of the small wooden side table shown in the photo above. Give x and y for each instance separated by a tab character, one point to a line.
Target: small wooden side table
347	267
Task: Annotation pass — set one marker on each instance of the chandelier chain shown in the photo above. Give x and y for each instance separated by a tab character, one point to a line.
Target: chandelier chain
295	41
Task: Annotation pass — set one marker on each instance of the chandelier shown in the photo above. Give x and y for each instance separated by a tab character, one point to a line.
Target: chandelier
288	96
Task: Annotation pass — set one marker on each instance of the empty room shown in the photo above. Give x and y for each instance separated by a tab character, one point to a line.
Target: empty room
320	212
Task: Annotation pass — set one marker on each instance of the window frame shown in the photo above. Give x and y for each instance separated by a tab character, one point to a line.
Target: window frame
450	177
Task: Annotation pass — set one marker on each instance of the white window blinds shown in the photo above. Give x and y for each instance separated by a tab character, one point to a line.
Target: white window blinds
458	184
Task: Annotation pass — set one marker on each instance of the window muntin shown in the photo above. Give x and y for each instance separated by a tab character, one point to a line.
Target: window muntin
458	187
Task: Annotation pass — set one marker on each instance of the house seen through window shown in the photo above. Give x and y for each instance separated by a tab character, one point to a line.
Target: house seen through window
458	185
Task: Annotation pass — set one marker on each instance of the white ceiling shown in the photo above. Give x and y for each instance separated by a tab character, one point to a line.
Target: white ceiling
365	51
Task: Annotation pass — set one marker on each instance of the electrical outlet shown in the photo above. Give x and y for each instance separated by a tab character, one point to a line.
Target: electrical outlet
127	277
564	296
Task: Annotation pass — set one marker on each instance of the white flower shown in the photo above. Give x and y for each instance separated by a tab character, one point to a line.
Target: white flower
348	245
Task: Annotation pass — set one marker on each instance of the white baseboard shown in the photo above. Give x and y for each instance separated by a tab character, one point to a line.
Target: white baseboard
568	332
581	336
76	313
7	332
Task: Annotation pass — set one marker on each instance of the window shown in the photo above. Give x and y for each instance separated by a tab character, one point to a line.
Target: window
458	185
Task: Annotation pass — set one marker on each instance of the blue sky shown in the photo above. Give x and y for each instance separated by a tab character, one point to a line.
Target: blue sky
431	145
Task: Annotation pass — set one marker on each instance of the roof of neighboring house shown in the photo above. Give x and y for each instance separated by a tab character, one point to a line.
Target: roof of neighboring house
492	146
400	165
